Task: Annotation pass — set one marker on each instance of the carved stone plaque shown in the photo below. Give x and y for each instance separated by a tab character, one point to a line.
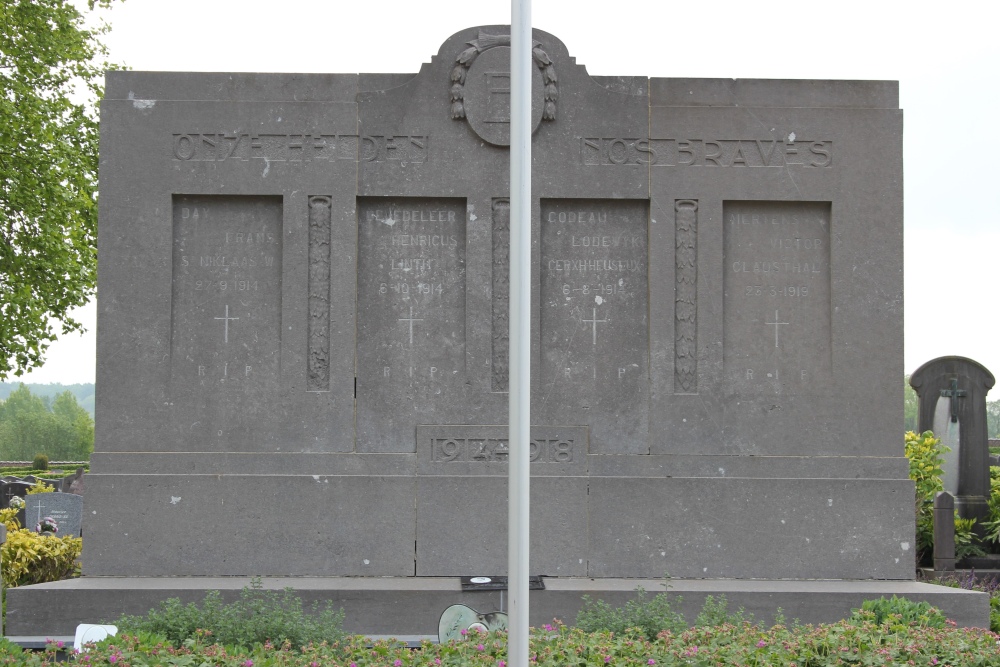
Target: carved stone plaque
411	316
226	306
594	320
777	296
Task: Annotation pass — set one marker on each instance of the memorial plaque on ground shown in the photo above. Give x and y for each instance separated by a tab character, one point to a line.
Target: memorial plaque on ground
65	508
304	287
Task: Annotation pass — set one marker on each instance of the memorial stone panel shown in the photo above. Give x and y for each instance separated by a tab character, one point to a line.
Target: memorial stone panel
594	321
411	317
777	335
226	308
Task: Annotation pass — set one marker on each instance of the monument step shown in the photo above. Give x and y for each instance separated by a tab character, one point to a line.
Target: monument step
403	606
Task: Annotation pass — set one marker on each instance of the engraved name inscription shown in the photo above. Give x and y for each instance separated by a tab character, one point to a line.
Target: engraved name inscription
593	319
777	295
411	312
226	290
706	152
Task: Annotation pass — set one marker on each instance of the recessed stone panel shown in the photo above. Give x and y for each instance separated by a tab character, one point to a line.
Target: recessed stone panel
225	348
777	335
411	316
594	320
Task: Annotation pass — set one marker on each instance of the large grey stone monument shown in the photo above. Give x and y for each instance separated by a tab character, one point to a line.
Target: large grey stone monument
302	357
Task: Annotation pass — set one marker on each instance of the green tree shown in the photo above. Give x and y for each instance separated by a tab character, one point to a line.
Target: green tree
50	81
28	427
993	419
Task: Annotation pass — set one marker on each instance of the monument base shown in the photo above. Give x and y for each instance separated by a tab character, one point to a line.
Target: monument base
412	605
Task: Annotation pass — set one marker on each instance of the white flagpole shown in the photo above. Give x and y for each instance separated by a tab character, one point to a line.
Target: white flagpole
518	489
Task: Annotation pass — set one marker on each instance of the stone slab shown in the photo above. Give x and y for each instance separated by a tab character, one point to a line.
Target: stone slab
751	528
233	524
65	508
402	606
462	526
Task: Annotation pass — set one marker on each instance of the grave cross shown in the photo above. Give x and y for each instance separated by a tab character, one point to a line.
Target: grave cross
594	322
776	324
951	394
411	320
226	318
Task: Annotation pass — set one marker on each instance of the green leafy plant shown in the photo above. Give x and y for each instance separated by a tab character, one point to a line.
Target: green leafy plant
926	456
896	613
966	541
650	615
29	558
715	611
256	617
40	462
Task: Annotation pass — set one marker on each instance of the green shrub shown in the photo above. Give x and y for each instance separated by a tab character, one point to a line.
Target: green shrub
650	615
897	613
715	611
29	558
258	616
859	645
40	462
966	541
926	455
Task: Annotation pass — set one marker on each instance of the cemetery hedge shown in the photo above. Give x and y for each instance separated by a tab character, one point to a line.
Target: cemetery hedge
857	641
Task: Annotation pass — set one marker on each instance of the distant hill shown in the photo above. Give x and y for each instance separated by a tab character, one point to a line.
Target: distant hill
84	393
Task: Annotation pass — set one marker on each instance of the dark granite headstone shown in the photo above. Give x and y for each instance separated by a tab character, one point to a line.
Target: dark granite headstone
952	393
65	508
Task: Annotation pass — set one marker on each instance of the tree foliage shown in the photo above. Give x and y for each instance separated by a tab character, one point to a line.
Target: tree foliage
50	81
29	425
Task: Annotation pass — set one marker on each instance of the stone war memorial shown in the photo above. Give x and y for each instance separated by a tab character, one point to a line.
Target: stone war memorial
303	338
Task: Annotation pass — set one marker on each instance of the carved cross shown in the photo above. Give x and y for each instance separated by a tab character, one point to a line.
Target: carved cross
952	394
776	324
411	320
594	322
226	318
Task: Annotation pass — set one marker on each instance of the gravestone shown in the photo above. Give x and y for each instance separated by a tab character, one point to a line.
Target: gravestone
304	289
952	393
65	508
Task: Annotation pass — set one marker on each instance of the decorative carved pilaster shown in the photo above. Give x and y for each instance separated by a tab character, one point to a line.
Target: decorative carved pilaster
319	293
501	294
686	305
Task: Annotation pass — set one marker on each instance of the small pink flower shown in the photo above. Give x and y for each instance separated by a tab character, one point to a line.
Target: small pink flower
501	664
397	663
313	664
934	661
480	647
650	662
464	632
248	663
607	658
113	659
59	644
761	644
437	661
548	626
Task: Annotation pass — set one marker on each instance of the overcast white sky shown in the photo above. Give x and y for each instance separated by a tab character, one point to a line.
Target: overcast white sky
946	60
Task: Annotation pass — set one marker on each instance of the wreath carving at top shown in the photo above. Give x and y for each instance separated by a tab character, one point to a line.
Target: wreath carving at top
485	42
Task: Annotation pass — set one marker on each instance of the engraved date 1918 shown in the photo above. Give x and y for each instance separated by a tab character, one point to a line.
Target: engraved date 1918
777	290
224	285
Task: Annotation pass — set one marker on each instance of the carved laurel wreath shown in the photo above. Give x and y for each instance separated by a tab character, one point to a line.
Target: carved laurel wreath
485	42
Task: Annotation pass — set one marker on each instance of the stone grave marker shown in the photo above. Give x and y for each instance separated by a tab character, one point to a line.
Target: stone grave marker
952	393
65	508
